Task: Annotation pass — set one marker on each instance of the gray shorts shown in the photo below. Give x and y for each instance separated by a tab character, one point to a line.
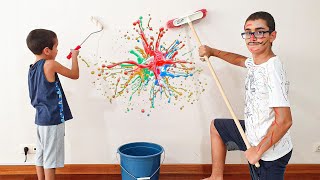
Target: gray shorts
50	146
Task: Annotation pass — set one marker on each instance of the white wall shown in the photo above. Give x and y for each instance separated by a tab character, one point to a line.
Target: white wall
99	128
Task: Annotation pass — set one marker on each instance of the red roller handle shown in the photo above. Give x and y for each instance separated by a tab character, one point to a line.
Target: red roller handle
70	54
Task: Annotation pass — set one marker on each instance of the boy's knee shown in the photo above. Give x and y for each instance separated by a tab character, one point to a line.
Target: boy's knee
212	126
214	122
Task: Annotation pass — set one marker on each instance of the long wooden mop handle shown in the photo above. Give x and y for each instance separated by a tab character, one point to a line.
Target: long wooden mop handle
236	120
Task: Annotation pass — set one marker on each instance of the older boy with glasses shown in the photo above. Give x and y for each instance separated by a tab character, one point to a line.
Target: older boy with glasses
267	109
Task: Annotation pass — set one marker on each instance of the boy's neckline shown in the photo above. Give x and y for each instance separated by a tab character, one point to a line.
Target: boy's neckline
32	65
254	63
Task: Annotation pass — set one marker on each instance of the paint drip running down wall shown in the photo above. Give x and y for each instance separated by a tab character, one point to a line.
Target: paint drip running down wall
155	74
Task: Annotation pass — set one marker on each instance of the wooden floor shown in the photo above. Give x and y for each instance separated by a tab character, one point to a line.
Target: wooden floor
167	172
162	177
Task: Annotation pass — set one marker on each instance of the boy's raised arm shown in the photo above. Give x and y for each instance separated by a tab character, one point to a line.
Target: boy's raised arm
231	58
72	73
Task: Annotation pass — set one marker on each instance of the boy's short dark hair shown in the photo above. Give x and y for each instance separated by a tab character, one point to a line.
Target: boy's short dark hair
38	39
264	16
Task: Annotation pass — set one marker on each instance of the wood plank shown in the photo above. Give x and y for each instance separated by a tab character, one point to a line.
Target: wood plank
162	177
167	172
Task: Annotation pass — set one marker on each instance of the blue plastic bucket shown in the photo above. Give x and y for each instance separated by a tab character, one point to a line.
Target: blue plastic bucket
140	160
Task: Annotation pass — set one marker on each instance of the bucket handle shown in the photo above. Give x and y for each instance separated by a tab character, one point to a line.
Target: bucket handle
142	178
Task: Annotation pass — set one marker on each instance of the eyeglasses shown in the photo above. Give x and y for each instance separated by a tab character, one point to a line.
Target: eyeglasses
256	34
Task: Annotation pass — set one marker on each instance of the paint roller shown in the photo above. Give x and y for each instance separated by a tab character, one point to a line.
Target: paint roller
178	22
98	24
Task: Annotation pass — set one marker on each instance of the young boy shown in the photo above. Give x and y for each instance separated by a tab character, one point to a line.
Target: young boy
49	100
267	108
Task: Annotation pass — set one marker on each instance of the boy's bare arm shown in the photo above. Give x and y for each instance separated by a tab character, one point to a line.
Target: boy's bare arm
232	58
278	129
72	73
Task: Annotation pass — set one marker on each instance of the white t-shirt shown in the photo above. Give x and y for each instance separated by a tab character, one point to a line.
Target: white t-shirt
266	87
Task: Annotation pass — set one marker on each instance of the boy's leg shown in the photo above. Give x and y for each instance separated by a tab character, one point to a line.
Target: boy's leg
218	154
224	136
50	174
53	148
40	172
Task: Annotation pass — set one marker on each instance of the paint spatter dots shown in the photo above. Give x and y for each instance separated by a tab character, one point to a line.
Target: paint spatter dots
153	73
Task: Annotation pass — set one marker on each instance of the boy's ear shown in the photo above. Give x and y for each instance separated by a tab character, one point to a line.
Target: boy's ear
46	51
273	36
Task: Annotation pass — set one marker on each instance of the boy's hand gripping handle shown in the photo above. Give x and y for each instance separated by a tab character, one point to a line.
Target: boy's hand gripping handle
70	54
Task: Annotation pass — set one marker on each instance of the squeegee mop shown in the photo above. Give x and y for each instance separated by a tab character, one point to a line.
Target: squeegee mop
174	23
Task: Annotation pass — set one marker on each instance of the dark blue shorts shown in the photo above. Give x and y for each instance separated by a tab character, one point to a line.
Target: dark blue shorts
268	170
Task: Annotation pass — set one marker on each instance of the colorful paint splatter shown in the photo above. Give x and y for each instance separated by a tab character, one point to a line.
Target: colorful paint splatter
157	73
